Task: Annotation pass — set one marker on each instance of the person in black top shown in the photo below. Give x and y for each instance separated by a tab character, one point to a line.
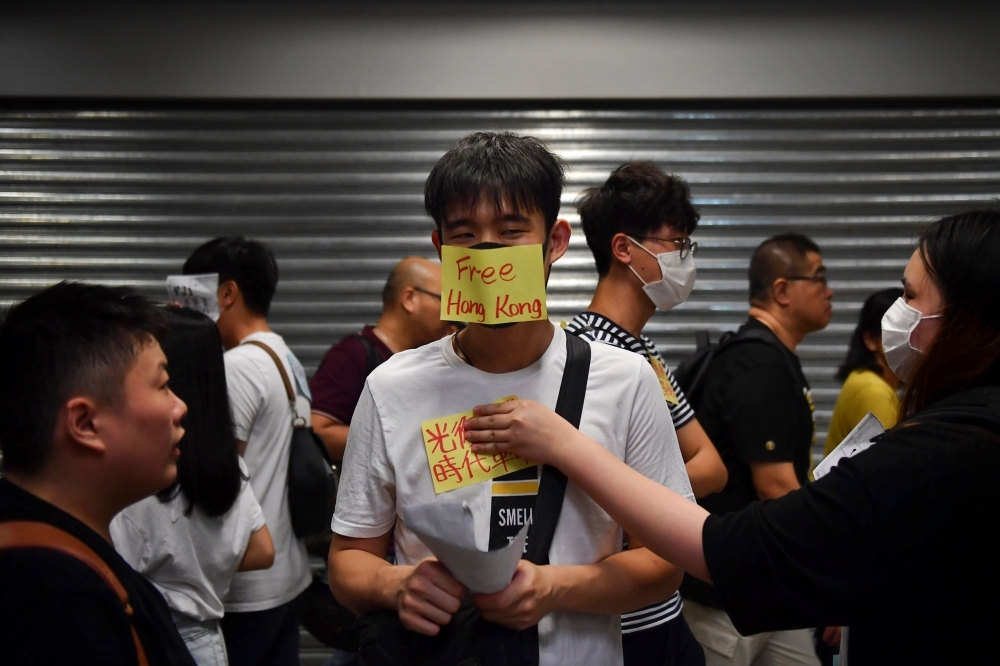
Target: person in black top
88	426
756	406
896	542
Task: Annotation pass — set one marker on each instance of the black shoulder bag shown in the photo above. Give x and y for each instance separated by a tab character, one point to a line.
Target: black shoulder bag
312	483
469	640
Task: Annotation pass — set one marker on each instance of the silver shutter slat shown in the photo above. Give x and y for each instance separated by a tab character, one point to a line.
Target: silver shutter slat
122	197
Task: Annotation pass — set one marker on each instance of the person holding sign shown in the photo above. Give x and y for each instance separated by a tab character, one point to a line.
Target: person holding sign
638	226
895	542
495	200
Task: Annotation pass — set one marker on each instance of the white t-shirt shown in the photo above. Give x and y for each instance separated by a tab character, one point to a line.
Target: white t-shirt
263	419
386	467
191	559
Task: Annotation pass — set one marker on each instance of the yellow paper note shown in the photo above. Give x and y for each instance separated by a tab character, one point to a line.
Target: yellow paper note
496	286
450	459
661	374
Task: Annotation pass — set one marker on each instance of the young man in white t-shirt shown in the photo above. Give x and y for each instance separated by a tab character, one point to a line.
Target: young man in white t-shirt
501	189
261	621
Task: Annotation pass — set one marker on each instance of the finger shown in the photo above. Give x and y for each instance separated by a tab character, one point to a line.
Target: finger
442	579
489	422
489	448
419	624
495	408
487	436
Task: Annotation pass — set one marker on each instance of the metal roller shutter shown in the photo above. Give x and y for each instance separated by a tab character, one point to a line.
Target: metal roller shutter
122	197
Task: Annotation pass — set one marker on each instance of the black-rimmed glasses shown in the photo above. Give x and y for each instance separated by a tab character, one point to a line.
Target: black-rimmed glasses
429	293
820	279
686	245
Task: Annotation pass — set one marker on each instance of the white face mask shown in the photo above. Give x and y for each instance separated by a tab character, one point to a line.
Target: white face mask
898	324
677	282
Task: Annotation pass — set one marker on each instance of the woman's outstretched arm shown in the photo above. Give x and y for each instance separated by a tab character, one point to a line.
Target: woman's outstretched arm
665	522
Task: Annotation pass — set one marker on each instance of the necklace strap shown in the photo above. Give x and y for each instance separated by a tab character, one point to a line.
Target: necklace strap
459	349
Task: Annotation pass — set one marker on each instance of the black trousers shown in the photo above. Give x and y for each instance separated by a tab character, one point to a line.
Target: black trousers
263	638
669	644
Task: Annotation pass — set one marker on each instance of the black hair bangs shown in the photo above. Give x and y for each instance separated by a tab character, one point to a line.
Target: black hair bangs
517	174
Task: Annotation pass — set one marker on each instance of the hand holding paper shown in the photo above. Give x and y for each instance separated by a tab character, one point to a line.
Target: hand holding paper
448	529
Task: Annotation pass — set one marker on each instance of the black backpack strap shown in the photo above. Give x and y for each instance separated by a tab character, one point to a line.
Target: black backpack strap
757	335
373	358
552	487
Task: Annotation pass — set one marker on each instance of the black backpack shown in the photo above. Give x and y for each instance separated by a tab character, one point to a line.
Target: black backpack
691	372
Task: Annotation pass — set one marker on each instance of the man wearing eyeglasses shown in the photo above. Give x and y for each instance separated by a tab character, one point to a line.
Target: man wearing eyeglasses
638	226
411	317
756	407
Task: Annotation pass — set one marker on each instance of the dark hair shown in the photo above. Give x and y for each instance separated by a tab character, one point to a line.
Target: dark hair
777	257
71	339
636	199
248	263
859	357
208	470
512	170
962	255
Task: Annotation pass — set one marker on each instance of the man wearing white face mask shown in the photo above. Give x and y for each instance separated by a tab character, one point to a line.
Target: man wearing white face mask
638	225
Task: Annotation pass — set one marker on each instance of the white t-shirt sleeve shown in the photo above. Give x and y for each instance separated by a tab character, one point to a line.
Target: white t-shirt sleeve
246	386
652	447
249	508
366	499
130	542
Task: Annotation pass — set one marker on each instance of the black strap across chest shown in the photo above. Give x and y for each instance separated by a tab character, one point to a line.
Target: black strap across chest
552	487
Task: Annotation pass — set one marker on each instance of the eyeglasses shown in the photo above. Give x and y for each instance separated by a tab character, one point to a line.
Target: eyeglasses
687	246
821	279
429	293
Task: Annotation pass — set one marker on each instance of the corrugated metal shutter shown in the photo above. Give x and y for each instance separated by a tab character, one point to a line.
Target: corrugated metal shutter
122	197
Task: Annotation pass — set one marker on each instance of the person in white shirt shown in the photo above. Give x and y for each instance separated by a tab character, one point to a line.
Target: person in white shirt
192	538
261	624
501	189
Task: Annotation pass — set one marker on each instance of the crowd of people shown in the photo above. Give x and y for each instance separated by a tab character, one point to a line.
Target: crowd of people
672	518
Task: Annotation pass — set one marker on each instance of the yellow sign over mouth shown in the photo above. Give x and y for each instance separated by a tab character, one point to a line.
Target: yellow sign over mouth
497	286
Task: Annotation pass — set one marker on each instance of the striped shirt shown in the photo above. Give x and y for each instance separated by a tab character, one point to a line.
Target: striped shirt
593	326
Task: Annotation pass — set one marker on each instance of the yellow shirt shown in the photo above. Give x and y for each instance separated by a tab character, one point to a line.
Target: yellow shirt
864	391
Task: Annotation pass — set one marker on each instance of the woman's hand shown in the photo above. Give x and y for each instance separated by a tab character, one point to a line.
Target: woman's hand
524	427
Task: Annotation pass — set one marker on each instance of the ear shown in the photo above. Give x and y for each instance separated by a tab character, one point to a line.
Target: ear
559	240
779	292
228	293
408	300
436	240
78	424
621	248
873	343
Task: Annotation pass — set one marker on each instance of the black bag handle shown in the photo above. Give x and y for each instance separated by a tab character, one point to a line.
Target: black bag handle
552	487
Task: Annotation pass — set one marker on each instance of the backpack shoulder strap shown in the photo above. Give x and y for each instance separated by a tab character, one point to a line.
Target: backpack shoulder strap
372	358
29	534
289	391
756	335
552	487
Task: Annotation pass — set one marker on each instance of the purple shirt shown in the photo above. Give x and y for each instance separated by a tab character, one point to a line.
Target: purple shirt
340	378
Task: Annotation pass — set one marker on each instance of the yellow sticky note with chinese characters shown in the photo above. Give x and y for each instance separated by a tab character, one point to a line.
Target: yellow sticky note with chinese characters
661	374
496	286
450	459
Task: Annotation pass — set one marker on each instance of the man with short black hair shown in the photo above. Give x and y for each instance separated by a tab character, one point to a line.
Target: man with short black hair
497	192
638	225
88	426
756	407
261	624
411	317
